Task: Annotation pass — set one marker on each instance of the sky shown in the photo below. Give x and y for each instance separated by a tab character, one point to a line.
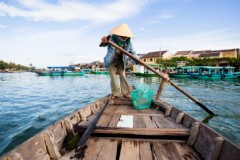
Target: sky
63	32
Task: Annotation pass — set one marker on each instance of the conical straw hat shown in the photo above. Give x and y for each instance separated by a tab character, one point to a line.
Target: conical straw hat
122	30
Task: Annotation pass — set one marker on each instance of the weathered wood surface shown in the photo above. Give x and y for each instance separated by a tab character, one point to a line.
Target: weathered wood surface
110	148
140	131
147	118
144	141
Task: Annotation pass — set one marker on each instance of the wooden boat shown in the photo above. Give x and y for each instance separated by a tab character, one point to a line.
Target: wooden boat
62	71
143	72
100	71
159	132
207	72
113	129
184	71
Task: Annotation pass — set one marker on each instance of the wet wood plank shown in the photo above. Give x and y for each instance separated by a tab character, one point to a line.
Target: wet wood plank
149	122
129	150
145	150
134	114
186	152
110	109
124	109
173	121
121	102
114	121
138	122
166	151
104	121
139	131
101	149
151	111
162	122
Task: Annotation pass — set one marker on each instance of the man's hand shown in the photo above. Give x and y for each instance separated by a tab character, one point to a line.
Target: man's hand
104	39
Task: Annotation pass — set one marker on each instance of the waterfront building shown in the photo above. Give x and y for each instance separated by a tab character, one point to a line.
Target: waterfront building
183	54
151	57
230	53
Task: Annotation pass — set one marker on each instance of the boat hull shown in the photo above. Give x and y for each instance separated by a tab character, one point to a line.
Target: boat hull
180	75
122	132
61	73
219	76
100	72
144	74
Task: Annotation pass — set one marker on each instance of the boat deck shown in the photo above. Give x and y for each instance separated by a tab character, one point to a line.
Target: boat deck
125	133
161	132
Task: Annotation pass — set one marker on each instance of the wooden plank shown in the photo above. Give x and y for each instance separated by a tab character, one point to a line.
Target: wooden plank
139	131
114	121
173	121
93	149
204	140
121	102
138	122
186	152
133	114
110	109
216	148
129	150
162	122
103	121
229	151
149	140
151	111
145	151
108	150
149	123
101	149
165	150
159	121
122	109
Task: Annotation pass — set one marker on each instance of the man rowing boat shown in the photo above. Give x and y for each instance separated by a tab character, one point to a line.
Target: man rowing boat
121	35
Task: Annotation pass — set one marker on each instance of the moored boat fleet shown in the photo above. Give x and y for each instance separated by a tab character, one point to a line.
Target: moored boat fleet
199	72
70	71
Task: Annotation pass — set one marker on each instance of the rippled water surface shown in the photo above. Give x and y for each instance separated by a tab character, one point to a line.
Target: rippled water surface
29	103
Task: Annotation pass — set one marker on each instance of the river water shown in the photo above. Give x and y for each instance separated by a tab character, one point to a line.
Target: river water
29	103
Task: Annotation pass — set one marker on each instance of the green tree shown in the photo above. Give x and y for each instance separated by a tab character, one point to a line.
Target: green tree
3	65
12	66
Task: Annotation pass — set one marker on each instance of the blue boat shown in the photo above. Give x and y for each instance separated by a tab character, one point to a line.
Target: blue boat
208	72
62	71
184	71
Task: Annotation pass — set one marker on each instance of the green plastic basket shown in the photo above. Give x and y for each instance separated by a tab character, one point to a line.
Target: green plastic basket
142	96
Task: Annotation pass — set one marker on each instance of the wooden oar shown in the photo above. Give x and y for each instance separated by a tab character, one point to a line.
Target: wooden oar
82	142
163	77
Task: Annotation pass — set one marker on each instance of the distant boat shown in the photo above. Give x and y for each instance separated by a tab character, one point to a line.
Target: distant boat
100	71
184	71
144	72
87	71
62	71
208	72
